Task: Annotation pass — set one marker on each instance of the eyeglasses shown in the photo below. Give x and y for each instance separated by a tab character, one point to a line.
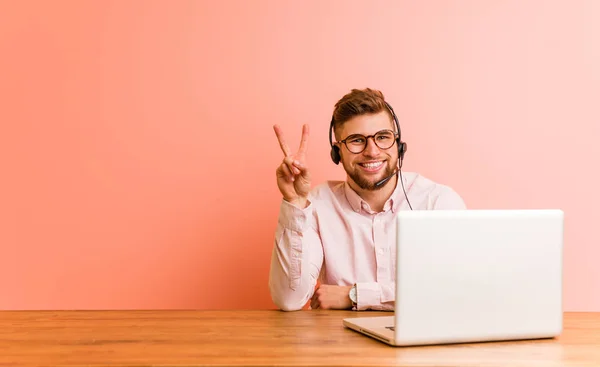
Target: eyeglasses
356	143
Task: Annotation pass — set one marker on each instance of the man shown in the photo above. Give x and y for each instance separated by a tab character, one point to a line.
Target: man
343	232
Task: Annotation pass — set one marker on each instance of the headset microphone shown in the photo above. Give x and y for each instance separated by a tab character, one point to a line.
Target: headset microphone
379	183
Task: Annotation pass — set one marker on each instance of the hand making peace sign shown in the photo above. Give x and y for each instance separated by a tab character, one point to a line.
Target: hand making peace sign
293	178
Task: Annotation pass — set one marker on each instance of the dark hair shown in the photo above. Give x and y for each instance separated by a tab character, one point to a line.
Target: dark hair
358	102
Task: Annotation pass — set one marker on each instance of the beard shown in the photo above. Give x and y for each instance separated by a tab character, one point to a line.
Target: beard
365	183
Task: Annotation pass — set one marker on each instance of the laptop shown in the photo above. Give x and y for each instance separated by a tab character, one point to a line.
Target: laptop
473	276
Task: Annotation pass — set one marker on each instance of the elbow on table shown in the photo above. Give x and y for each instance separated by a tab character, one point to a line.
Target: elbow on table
290	307
286	303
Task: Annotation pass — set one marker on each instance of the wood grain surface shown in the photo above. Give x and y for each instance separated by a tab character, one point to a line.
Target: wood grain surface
259	338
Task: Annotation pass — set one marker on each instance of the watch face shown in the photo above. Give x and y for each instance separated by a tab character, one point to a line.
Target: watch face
353	294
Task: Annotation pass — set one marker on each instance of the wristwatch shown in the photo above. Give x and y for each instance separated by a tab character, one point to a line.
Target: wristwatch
353	297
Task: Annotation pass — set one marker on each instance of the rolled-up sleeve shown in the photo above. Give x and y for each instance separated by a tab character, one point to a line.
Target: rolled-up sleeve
296	259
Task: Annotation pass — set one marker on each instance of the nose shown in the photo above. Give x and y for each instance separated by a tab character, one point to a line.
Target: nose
371	149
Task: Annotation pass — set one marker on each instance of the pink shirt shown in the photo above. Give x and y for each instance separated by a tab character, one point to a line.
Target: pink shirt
339	240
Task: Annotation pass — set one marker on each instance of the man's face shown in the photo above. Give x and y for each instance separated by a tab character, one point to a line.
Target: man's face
372	164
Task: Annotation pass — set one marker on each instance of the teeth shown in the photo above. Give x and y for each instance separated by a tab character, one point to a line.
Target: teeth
372	165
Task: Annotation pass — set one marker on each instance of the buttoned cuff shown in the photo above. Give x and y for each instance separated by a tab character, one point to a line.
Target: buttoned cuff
368	294
372	296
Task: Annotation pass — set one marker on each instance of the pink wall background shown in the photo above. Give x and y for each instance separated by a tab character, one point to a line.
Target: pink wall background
138	157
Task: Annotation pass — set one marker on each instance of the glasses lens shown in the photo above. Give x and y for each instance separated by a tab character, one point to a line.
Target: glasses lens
384	139
356	143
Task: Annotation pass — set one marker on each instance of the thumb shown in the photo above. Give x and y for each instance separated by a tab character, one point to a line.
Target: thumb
302	168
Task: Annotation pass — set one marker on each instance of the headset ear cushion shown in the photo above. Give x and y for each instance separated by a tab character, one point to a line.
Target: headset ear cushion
401	149
335	154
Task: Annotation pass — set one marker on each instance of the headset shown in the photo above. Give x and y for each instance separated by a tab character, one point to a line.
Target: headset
335	150
402	147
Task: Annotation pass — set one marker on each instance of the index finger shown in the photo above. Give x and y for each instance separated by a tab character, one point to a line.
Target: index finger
282	144
304	140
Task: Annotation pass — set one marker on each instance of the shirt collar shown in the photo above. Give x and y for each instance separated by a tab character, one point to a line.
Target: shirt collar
357	203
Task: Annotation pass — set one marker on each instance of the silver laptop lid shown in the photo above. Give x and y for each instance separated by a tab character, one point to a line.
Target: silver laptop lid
478	274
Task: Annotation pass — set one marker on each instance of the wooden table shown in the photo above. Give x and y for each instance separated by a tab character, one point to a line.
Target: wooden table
195	338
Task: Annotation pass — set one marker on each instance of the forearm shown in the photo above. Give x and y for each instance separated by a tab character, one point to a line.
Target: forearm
291	288
296	259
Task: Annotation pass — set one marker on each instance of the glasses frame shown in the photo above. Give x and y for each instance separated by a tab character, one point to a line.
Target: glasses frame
396	135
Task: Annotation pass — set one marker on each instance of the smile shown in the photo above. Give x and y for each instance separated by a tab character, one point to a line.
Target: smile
371	166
